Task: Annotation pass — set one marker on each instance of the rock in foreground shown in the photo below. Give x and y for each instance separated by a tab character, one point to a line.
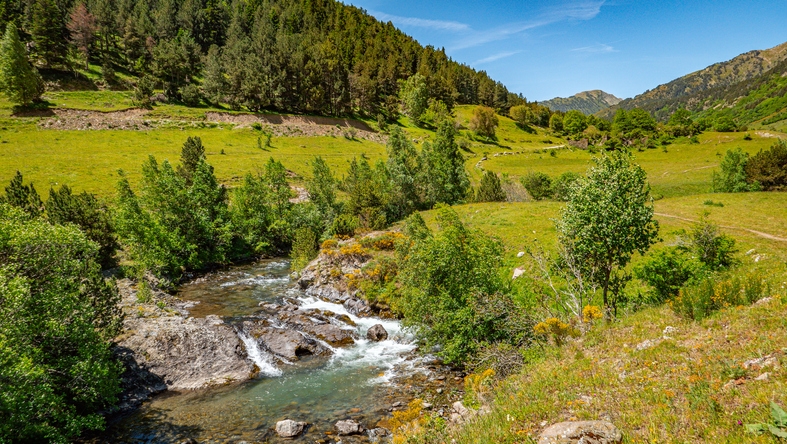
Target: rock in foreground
377	333
348	427
289	428
585	432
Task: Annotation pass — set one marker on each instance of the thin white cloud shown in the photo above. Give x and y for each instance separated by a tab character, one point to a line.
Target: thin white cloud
585	10
601	48
440	25
494	57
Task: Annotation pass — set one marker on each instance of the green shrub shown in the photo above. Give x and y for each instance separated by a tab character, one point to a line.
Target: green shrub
769	168
538	184
304	247
143	90
452	294
58	317
699	300
716	251
344	225
666	271
190	95
732	176
562	186
490	189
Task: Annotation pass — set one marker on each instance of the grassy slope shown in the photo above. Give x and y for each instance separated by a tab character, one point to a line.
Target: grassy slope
674	392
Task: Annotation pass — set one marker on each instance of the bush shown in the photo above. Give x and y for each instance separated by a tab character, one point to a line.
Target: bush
484	121
539	185
452	294
562	186
304	248
716	251
58	317
143	91
344	225
490	189
714	293
190	95
732	176
666	271
769	168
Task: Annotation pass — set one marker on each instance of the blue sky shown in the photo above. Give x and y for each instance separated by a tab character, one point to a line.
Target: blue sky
546	49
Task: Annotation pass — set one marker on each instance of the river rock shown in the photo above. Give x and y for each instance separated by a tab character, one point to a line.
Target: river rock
289	344
377	333
585	432
163	349
318	324
289	428
348	427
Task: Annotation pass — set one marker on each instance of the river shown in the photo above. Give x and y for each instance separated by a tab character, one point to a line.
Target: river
355	382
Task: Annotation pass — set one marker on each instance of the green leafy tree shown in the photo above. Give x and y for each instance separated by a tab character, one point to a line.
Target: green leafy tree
58	317
563	186
414	94
574	122
490	189
366	189
521	114
49	32
304	247
731	178
23	196
484	121
452	294
609	217
538	184
556	123
19	81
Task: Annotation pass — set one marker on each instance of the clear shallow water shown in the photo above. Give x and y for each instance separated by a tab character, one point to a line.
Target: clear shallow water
354	383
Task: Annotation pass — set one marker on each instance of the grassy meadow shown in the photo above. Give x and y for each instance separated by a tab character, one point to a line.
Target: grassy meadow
675	391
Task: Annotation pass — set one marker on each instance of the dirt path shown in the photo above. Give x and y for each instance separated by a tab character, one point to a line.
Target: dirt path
140	120
514	153
755	232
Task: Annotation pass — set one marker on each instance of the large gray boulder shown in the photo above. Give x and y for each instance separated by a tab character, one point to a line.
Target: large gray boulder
286	343
289	428
377	333
584	432
348	427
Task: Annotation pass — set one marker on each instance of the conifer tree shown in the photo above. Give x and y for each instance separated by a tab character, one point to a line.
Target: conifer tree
18	79
49	32
190	155
490	189
23	196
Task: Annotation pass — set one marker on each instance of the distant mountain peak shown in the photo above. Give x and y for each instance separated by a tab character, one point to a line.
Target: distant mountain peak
588	102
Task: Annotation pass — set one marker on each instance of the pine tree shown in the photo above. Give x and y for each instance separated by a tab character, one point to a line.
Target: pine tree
82	25
190	155
214	85
490	189
18	79
23	196
49	32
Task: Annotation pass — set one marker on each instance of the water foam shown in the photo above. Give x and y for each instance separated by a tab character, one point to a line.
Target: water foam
262	359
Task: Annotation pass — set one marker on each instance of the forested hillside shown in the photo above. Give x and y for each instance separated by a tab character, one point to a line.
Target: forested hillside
703	89
305	56
587	102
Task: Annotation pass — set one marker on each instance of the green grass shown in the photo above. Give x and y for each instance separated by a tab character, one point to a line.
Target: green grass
91	100
683	170
89	160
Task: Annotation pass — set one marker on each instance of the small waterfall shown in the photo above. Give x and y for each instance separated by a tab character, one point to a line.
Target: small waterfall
263	360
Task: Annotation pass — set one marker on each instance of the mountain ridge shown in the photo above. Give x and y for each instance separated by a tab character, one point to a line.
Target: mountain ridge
587	102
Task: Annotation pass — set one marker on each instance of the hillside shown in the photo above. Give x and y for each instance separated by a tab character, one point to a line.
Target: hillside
588	102
699	89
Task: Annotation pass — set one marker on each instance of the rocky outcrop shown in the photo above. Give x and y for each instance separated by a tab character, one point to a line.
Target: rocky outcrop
289	428
585	432
377	333
320	324
324	279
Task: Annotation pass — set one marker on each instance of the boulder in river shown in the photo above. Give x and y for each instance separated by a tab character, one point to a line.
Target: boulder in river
348	427
289	428
377	333
586	432
289	344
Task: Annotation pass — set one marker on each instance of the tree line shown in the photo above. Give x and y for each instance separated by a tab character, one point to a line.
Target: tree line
305	56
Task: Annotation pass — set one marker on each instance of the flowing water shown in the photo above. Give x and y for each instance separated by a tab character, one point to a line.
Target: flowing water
355	383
